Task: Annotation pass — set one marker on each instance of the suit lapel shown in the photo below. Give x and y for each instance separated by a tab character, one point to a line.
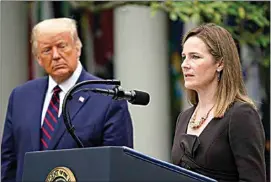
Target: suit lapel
181	130
36	107
73	107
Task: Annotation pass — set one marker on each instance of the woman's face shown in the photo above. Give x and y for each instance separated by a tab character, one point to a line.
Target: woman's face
199	66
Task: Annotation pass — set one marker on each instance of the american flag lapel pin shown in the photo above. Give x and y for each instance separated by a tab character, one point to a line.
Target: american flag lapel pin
81	99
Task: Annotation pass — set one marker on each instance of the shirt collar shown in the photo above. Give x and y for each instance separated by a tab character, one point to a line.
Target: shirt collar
67	84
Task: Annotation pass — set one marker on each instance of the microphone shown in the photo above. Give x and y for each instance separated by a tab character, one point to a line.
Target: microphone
118	93
68	96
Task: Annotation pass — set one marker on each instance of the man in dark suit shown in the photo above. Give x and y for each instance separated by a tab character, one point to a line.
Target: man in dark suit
34	121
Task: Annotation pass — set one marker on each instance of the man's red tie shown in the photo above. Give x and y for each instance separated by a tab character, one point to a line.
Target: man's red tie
50	120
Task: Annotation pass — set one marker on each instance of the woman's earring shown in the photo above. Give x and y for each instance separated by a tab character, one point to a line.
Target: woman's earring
219	72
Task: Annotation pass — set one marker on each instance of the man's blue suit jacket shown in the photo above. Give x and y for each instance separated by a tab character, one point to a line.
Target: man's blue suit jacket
98	120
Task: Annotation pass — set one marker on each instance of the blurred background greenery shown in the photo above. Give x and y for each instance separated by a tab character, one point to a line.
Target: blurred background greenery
250	25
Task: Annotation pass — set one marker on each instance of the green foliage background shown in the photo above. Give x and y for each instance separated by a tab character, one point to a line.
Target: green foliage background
251	25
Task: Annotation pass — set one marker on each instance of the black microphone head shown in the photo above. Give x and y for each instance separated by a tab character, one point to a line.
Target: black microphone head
140	98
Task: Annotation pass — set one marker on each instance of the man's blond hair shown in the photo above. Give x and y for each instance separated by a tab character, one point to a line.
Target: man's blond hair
55	25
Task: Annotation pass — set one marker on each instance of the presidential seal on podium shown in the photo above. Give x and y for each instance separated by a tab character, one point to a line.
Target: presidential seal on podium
60	174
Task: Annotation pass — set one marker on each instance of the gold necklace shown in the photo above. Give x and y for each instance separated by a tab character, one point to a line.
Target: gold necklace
196	124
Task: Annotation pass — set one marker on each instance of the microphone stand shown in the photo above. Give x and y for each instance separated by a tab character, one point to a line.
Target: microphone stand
66	117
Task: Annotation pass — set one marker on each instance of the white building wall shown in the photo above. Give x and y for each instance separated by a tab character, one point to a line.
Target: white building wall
14	51
141	62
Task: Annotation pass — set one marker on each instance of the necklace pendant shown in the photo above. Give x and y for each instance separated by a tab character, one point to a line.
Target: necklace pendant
194	124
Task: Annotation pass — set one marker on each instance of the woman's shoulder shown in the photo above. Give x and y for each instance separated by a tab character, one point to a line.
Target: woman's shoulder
243	108
245	116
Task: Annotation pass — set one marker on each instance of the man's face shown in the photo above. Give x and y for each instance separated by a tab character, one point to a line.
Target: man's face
58	54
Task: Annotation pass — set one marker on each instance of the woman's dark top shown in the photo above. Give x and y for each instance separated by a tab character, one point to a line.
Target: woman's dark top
228	149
